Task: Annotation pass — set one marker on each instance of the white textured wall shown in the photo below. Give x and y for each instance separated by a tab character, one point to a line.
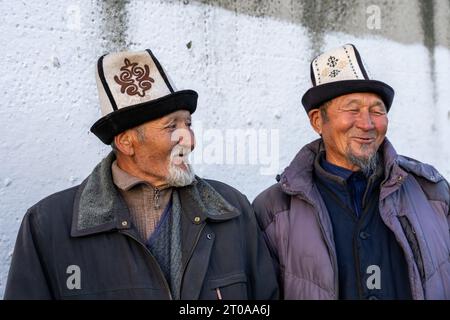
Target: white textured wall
249	62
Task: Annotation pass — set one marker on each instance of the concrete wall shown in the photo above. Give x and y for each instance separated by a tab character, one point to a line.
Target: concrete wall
249	62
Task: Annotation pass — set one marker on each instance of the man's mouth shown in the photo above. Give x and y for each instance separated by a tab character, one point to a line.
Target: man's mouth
180	157
364	140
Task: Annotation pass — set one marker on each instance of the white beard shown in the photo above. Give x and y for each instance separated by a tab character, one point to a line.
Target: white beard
179	177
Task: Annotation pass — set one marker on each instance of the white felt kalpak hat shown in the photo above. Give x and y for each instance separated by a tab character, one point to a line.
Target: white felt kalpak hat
133	88
338	72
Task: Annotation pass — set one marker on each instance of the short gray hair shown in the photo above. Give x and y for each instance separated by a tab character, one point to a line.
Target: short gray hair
140	133
114	147
324	110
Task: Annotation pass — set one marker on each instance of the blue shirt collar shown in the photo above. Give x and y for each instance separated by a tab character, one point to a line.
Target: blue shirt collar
335	170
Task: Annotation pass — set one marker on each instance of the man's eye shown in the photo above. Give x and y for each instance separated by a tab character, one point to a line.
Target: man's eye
378	112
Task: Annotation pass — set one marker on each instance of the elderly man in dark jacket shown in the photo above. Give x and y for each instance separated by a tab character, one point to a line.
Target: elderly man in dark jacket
349	218
142	225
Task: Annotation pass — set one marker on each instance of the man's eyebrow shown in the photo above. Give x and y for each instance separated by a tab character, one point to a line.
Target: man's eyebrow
358	101
378	103
168	120
184	118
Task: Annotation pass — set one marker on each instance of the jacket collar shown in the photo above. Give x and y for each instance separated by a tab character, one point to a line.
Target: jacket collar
123	180
99	207
200	202
297	178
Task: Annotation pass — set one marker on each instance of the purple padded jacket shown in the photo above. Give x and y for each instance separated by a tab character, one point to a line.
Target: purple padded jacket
414	204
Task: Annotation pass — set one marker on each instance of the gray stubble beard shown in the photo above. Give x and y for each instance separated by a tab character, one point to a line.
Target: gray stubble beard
367	165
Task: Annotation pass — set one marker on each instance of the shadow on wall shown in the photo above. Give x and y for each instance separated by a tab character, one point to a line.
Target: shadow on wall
404	21
114	24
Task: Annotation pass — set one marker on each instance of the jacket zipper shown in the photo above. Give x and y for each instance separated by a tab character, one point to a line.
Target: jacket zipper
156	195
190	255
166	285
411	238
359	284
219	294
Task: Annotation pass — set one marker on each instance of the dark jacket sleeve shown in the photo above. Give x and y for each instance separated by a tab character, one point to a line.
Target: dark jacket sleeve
263	284
27	276
261	275
265	219
267	205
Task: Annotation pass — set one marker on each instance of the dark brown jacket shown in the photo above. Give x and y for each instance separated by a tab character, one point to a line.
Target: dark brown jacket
88	227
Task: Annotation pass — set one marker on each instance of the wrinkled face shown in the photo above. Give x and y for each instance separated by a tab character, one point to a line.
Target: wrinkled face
353	130
162	147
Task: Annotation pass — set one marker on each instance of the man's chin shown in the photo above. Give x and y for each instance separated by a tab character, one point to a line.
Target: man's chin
180	175
364	152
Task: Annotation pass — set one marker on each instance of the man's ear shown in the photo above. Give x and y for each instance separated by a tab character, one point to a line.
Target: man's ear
125	142
315	118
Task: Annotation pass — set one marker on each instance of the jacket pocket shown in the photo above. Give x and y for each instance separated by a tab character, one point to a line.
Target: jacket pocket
229	287
414	244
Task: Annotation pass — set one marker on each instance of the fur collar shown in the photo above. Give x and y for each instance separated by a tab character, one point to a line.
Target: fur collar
98	206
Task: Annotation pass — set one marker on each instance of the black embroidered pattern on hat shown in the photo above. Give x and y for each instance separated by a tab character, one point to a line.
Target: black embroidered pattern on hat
332	61
334	73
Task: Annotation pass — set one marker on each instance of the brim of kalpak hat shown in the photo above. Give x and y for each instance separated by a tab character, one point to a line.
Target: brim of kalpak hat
112	124
316	96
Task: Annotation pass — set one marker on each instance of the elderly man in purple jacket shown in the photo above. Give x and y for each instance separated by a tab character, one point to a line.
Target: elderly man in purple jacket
350	218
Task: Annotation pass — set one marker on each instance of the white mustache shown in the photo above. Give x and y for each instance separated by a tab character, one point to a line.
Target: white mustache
179	154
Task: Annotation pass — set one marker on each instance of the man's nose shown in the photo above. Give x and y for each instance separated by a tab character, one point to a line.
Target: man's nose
185	137
365	121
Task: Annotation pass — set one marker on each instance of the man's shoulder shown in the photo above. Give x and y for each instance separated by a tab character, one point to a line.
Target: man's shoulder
230	193
420	169
221	186
430	179
56	204
269	203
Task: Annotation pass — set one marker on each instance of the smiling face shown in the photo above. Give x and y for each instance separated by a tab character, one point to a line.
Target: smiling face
352	129
157	150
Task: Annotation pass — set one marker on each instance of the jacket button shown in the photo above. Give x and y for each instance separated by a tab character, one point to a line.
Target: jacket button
124	223
197	220
209	236
364	235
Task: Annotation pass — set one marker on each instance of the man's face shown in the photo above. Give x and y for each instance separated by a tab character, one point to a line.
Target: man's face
162	147
354	129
